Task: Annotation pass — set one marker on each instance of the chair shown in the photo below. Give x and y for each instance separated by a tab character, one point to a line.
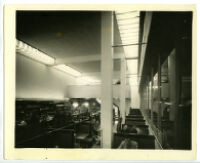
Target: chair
144	141
144	129
63	138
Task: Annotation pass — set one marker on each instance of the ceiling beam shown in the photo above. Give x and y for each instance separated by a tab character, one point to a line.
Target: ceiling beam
80	59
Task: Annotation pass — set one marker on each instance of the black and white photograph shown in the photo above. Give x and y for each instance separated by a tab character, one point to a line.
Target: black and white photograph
119	79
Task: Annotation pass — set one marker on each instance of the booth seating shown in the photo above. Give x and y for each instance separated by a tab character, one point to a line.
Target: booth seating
83	132
35	142
135	112
144	141
134	118
143	128
63	138
135	122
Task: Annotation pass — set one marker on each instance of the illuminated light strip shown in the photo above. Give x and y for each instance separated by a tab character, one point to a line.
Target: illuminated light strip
132	31
129	36
128	27
130	40
132	17
125	12
33	53
128	22
68	70
134	37
128	15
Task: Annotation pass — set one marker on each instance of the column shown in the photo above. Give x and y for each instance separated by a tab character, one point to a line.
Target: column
152	101
123	89
159	93
106	78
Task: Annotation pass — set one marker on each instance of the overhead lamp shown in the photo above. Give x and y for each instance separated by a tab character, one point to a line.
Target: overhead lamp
67	70
75	104
33	53
86	104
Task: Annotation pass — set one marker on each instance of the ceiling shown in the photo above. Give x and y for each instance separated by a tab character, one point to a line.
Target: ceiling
66	34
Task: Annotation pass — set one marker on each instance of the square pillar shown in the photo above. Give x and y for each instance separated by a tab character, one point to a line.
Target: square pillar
123	89
106	78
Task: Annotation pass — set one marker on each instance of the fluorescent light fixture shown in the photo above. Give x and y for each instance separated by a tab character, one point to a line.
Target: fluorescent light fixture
131	34
128	15
68	70
131	51
130	41
130	38
125	11
128	26
133	40
128	21
132	66
130	30
33	53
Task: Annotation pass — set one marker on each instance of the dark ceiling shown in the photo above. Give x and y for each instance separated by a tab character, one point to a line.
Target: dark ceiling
63	34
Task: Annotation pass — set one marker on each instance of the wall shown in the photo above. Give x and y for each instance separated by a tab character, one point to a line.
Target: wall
35	80
92	91
135	98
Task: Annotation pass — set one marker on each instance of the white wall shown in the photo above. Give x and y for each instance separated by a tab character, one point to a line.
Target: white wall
135	97
35	80
93	91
